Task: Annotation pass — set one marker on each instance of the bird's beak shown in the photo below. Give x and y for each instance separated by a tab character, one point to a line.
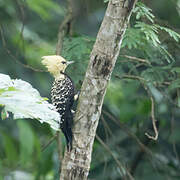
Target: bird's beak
69	62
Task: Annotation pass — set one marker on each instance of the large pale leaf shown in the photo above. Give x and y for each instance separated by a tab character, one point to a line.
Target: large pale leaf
20	98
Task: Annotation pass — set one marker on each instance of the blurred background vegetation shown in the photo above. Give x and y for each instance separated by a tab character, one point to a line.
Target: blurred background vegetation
147	72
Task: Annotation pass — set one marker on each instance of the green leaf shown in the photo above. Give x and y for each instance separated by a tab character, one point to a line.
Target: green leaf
10	148
166	54
37	147
143	11
133	38
175	84
176	69
26	138
150	32
77	49
45	8
172	33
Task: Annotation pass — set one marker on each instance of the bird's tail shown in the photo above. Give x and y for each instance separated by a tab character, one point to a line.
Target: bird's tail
67	130
68	136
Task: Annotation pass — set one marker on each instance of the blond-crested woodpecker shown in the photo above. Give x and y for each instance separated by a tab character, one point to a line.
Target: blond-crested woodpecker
62	93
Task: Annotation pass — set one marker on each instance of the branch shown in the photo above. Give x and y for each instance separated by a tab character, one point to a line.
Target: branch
143	146
124	171
155	137
128	131
22	13
63	28
137	59
106	127
152	106
14	57
126	76
49	142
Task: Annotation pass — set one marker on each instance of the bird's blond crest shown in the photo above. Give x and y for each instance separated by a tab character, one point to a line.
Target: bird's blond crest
55	64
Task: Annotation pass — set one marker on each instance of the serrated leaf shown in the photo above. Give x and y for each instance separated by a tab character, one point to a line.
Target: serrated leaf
20	98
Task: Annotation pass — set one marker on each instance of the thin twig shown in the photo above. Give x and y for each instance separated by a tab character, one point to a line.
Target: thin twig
121	167
143	147
106	126
49	142
128	131
135	68
155	137
63	28
21	39
137	59
12	56
130	77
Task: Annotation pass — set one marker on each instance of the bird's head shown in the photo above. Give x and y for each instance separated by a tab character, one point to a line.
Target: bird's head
56	65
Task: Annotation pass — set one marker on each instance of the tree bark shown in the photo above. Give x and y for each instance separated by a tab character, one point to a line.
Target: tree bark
76	164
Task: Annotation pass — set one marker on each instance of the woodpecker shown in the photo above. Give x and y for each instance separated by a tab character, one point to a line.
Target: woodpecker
62	93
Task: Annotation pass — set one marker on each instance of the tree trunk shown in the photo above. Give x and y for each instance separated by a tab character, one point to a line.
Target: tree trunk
76	164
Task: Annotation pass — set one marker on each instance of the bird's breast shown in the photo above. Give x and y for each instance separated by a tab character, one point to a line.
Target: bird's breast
61	92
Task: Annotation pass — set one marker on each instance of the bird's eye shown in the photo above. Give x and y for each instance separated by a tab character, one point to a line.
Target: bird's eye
64	62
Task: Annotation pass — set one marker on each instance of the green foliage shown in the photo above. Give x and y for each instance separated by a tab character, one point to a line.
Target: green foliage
143	11
149	31
152	71
147	66
175	84
145	36
10	149
25	135
171	33
45	8
77	49
133	39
